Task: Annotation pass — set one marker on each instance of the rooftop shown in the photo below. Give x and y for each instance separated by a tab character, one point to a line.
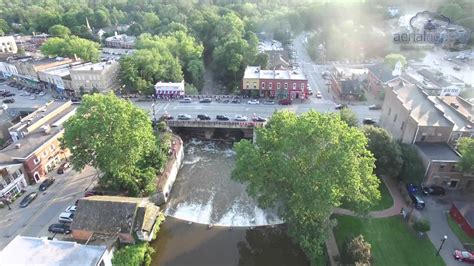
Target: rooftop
416	101
62	70
467	210
439	78
23	250
94	67
347	72
438	152
460	122
254	72
463	107
382	72
121	38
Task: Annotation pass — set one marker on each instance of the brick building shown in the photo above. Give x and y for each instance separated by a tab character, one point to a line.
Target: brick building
378	77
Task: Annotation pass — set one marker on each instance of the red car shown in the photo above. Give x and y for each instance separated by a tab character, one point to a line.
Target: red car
284	102
464	256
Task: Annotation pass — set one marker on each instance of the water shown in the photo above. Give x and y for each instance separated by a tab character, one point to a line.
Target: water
204	194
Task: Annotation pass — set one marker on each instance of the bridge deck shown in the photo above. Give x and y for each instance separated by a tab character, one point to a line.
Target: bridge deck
214	124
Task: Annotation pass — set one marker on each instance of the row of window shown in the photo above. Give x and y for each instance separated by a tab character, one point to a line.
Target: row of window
270	84
45	153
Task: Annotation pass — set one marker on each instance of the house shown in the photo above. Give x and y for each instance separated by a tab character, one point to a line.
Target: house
8	45
25	250
378	77
115	216
463	214
169	89
121	41
36	142
282	84
346	82
102	77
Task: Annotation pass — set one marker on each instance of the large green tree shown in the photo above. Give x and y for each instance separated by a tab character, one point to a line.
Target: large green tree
392	59
59	31
115	137
466	148
304	166
71	46
386	151
348	116
412	167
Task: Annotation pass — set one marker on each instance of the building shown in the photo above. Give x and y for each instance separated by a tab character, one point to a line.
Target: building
58	78
121	41
25	250
29	67
12	180
347	82
7	70
36	142
169	89
102	77
30	43
434	82
282	84
463	214
8	45
378	77
115	216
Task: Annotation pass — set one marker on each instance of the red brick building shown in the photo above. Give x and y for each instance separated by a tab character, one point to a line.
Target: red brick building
280	84
378	77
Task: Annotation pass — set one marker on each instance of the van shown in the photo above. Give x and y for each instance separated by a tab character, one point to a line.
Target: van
417	200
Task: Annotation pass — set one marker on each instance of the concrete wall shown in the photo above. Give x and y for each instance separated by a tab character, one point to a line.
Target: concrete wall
403	127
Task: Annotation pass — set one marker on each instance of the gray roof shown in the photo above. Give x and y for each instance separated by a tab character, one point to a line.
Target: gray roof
113	214
438	152
434	76
382	71
23	250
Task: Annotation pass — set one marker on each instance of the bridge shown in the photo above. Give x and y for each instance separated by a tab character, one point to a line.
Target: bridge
207	128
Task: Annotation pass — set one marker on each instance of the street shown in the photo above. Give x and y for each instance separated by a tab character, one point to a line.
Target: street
35	219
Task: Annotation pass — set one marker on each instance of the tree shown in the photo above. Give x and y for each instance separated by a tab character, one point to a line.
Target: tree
392	59
151	22
359	250
4	28
115	137
304	166
348	116
59	31
466	148
71	46
452	10
422	226
386	151
412	168
190	89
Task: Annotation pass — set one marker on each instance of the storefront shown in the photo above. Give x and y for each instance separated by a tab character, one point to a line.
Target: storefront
12	181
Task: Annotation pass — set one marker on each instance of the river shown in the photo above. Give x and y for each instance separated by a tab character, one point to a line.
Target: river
240	233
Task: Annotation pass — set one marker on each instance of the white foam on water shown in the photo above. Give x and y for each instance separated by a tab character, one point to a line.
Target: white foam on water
195	141
229	153
193	160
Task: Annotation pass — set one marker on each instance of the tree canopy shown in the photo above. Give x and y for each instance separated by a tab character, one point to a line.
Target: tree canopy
59	31
392	59
70	46
386	151
412	167
348	116
304	166
466	148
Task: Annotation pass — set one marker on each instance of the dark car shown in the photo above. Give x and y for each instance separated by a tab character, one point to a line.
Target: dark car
369	121
8	94
433	190
456	68
46	183
28	199
259	119
226	101
206	100
203	117
464	256
417	200
63	167
60	228
222	118
412	188
10	100
235	100
341	106
375	107
284	102
92	193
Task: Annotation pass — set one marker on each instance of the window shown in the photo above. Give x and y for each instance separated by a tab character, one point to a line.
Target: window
302	86
278	85
389	111
52	147
441	166
270	85
254	85
263	85
286	86
453	183
395	118
403	124
294	86
45	153
453	168
247	85
37	161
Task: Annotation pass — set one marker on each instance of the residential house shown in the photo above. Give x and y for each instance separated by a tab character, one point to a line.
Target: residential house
282	84
378	77
36	142
102	77
25	250
115	216
12	180
346	82
169	89
8	45
121	41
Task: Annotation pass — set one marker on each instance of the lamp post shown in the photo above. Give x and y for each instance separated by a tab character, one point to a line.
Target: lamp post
442	243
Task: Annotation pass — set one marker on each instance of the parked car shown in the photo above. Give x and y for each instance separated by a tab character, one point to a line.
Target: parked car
318	95
240	118
341	106
456	68
464	256
66	217
46	183
185	100
166	116
235	100
10	100
28	199
226	101
269	102
42	93
203	117
417	200
206	100
222	118
310	91
259	119
412	188
284	102
369	121
375	107
184	117
63	167
71	208
433	190
253	102
60	228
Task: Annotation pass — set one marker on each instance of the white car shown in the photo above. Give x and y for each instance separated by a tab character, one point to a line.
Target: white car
42	93
240	118
318	95
66	217
253	102
71	209
185	100
33	97
310	91
184	117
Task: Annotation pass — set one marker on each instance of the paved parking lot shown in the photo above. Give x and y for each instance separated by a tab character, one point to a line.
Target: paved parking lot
35	219
23	101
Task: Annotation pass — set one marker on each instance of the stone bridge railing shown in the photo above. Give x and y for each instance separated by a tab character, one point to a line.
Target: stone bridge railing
215	124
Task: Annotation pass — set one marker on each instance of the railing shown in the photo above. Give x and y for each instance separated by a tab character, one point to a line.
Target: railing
215	124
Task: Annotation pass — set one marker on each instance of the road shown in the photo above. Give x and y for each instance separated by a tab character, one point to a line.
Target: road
35	219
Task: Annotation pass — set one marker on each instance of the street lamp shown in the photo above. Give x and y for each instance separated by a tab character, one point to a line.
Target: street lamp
442	243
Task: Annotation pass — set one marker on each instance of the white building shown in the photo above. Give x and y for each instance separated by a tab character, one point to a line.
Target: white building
58	78
102	76
8	45
121	41
12	180
23	250
7	70
169	88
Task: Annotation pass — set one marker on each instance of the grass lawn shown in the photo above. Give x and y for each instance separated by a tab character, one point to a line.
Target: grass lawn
386	200
392	241
457	230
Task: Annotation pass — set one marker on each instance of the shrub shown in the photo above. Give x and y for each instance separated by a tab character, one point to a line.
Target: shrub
359	250
422	226
138	254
